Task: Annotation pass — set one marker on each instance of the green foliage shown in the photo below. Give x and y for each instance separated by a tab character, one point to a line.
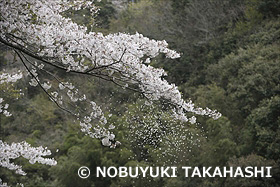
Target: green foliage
253	160
156	137
98	23
265	124
136	18
252	17
106	12
43	107
219	145
233	67
269	8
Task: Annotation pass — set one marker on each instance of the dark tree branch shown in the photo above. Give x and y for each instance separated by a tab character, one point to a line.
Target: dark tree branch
50	96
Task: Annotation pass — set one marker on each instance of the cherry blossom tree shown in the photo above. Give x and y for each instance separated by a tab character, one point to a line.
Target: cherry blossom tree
23	149
46	41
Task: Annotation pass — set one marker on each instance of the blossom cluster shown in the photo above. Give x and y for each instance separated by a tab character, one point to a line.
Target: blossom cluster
3	184
7	78
39	30
15	150
3	108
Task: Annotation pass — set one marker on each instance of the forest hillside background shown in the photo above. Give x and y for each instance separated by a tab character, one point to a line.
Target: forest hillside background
230	53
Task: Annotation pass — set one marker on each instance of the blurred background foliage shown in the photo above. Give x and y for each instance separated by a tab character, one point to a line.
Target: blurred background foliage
230	62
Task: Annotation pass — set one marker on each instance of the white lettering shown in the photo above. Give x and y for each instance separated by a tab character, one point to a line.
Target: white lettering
109	171
261	171
186	170
238	172
144	171
123	172
268	171
102	172
218	172
249	171
206	171
173	171
196	172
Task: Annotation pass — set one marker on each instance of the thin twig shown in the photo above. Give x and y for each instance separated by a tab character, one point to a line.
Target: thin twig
42	86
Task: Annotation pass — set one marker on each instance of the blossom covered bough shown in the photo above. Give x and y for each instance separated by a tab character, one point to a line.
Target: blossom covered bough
23	149
15	150
45	41
7	78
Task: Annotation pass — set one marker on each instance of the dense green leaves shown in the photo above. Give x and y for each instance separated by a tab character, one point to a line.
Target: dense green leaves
230	62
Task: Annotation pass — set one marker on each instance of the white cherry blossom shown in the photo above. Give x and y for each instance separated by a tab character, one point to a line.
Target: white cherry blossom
44	39
37	31
15	150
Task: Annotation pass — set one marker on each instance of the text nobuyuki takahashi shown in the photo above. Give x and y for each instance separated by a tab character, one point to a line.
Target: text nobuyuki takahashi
134	172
